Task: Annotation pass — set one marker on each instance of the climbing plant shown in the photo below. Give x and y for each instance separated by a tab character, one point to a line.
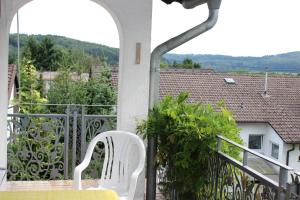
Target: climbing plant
186	138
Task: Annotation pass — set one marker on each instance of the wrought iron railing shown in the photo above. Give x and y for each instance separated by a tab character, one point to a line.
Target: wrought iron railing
231	179
237	180
49	146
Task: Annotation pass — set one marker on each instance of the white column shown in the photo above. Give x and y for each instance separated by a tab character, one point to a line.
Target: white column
133	87
3	87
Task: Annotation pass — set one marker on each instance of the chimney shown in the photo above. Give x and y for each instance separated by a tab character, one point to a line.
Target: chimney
265	94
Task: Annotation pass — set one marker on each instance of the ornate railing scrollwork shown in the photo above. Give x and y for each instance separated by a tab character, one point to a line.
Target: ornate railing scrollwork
40	146
231	183
35	148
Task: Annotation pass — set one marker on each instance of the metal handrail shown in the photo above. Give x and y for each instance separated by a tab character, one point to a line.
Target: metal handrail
35	115
46	104
255	153
283	171
266	180
55	115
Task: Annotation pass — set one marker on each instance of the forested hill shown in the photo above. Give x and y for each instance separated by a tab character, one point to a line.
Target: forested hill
287	62
96	50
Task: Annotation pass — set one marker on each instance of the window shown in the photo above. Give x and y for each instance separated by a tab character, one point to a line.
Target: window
275	151
255	141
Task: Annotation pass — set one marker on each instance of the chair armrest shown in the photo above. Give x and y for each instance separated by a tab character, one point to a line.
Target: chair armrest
77	175
2	175
87	158
134	183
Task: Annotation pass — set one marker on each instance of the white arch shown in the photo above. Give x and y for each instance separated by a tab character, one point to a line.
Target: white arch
102	3
133	21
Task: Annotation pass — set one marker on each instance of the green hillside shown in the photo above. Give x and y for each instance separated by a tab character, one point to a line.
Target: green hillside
96	50
287	63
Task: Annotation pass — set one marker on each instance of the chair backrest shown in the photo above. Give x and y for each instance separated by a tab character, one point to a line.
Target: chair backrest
124	161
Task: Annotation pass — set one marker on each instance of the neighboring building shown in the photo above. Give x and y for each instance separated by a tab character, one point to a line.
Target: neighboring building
269	120
49	76
270	123
13	86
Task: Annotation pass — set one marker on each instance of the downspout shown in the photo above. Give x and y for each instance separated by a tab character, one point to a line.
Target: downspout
160	50
288	155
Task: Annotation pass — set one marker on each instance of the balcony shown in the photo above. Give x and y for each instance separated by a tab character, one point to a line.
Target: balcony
44	147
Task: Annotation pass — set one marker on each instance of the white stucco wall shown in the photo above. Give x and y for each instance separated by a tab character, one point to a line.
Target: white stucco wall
294	161
270	136
133	20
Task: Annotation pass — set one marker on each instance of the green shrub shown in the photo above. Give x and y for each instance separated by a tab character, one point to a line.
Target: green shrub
186	135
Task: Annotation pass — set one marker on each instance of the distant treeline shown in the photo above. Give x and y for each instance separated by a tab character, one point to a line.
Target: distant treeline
65	44
287	63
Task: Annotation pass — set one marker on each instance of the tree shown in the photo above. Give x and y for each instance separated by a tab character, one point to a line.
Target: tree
30	89
44	55
30	51
80	61
49	57
187	63
100	91
64	90
97	90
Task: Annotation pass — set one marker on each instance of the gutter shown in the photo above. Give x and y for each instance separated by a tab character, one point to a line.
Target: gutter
170	45
213	6
288	155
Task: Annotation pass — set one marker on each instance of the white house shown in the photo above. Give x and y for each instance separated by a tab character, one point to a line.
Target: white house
269	117
48	77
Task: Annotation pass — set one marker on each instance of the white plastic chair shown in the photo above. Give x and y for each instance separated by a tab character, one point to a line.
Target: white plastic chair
123	165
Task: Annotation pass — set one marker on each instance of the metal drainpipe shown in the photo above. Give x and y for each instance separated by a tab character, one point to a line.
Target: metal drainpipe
288	154
163	48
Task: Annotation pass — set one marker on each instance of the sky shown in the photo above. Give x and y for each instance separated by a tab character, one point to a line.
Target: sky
244	28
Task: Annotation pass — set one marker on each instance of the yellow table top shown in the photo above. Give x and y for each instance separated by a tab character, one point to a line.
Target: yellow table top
60	195
53	190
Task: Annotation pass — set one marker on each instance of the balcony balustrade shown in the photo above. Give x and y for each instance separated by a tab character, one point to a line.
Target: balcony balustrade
49	146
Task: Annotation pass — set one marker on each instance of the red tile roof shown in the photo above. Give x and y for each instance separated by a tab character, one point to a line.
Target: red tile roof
12	72
244	98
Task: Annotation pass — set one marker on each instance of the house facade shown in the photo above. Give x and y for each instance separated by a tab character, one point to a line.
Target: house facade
267	115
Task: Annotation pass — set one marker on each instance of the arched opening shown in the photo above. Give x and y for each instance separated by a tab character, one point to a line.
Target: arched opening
134	25
74	74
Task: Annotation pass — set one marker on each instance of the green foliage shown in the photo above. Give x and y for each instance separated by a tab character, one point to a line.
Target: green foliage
63	88
185	64
95	91
287	62
64	45
80	61
188	63
45	55
186	135
30	92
